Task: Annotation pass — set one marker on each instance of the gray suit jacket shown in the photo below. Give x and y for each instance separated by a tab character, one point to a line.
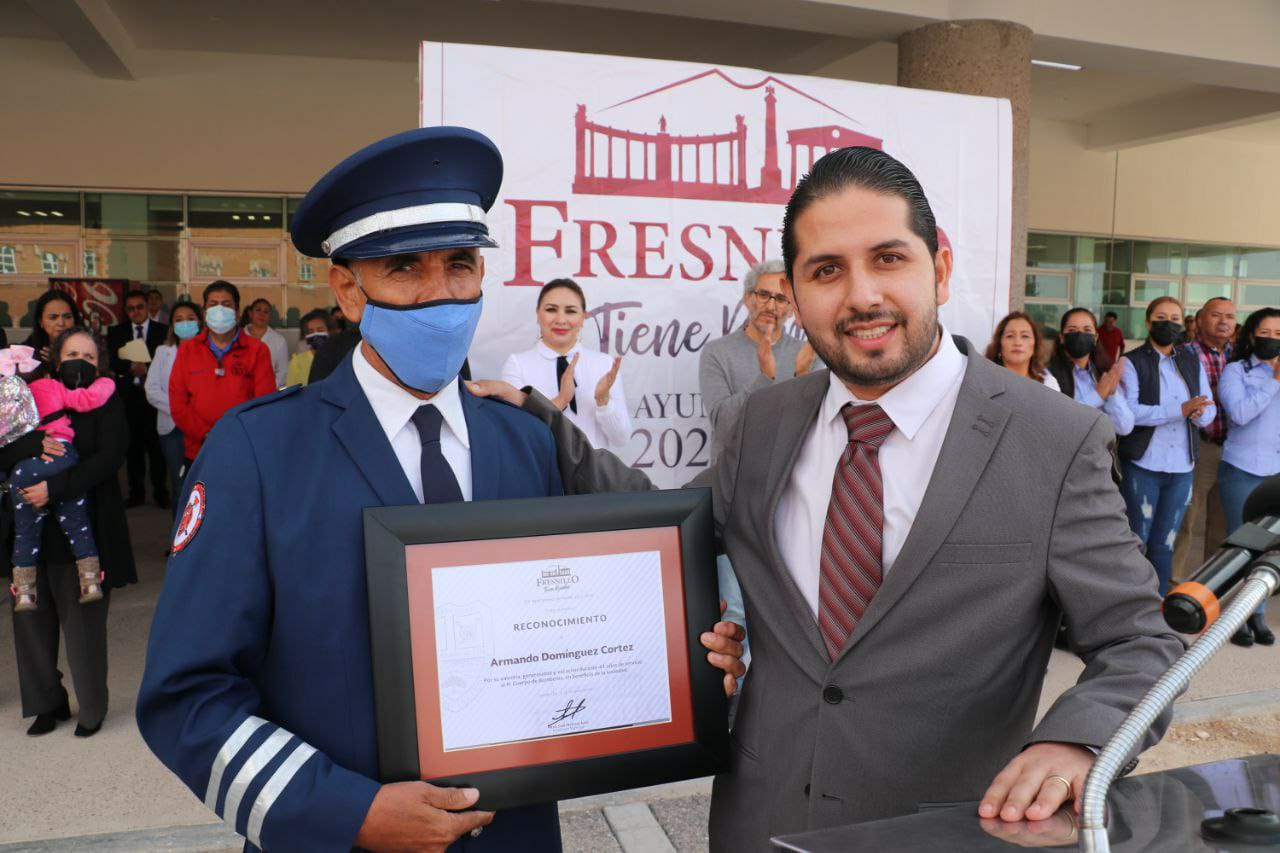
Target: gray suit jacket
937	687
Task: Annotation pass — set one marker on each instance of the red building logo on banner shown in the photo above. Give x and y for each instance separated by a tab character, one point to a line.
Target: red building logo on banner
711	167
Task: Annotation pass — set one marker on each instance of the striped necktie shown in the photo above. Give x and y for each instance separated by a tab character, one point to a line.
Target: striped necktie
853	537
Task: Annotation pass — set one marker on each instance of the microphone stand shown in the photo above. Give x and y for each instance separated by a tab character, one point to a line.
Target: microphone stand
1262	581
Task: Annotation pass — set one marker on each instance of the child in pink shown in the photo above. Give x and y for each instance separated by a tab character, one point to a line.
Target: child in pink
75	390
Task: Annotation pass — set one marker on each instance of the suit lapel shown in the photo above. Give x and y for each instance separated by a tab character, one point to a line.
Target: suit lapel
487	448
361	435
976	426
792	429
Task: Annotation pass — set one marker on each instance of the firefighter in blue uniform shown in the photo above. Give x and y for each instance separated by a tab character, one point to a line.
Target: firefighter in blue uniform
258	690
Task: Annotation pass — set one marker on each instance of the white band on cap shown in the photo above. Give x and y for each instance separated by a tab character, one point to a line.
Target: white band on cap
422	214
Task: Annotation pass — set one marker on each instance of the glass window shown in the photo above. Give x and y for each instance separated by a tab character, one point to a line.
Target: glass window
1159	258
8	261
44	212
38	257
1260	263
141	260
1049	286
236	261
133	213
1259	295
90	262
231	216
1045	314
1093	253
1121	256
1146	289
1211	260
1049	250
1115	289
1200	292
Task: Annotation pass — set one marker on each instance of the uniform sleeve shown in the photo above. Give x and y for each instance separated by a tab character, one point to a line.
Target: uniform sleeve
614	419
1241	401
1143	415
1107	591
199	708
722	404
264	378
1119	412
181	406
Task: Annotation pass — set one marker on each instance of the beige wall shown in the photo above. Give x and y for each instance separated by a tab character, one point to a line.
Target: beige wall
195	121
1200	189
257	123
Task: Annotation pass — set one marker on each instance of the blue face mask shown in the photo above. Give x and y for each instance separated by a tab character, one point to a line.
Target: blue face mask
220	318
186	329
424	345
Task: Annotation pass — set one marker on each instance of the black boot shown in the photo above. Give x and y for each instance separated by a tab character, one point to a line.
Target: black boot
46	723
85	731
1243	636
1262	635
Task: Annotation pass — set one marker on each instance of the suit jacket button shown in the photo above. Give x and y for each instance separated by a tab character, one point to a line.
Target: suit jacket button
832	694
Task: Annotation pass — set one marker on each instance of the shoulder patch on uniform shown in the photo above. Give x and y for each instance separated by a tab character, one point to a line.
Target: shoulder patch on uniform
192	518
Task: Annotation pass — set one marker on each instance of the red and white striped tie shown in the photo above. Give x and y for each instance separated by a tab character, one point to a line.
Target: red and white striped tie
853	538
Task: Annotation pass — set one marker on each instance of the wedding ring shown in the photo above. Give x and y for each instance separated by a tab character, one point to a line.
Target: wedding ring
1064	781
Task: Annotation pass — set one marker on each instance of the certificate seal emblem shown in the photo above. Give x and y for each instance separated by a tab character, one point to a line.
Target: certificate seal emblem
192	518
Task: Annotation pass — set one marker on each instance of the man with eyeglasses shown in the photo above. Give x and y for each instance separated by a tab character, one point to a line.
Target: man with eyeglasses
754	357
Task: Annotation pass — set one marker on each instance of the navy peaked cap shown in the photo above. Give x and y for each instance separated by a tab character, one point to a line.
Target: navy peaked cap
420	190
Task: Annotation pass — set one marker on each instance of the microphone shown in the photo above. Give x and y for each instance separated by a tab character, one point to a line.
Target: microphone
1192	605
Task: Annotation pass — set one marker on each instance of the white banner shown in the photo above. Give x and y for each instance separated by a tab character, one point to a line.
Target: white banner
656	185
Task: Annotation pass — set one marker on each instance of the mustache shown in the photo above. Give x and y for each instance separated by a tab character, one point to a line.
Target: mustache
897	317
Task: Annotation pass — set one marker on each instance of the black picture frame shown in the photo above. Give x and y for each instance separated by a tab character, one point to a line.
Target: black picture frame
389	530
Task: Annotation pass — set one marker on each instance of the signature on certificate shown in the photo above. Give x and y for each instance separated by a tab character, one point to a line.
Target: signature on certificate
569	711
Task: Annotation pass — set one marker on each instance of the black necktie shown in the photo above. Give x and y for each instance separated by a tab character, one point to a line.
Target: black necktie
137	331
438	483
562	364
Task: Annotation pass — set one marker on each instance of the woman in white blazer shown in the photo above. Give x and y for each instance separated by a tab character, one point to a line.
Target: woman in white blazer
583	383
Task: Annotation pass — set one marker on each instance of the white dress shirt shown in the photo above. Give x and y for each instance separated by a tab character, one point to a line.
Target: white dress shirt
920	407
279	349
607	426
394	408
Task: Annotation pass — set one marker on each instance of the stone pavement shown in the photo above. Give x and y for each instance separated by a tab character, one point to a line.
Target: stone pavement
107	793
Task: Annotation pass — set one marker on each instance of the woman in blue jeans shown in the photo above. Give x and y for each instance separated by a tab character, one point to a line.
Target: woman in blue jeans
1249	392
1168	392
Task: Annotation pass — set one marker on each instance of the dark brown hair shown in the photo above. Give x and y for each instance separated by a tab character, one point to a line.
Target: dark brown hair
567	284
1035	369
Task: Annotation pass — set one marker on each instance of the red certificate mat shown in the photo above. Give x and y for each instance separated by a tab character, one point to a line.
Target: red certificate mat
406	545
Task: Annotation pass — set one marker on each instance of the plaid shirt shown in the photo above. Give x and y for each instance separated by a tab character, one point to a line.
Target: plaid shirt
1213	361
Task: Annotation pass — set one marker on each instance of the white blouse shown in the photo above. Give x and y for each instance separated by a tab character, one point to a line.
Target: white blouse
279	349
609	426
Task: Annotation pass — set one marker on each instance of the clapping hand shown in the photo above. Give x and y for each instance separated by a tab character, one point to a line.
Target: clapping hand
764	354
606	382
567	385
804	358
1193	407
1110	380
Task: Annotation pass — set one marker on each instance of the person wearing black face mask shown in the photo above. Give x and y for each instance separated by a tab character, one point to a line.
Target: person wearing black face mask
1078	365
316	329
1249	391
101	438
1168	391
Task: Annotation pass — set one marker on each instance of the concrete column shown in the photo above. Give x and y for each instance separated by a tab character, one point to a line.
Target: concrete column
991	58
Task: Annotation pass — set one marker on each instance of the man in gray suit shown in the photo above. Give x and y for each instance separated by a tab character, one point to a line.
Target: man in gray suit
909	528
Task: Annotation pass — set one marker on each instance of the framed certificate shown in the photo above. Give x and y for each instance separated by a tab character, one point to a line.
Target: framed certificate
547	648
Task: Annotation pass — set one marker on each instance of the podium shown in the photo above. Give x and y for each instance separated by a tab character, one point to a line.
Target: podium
1152	813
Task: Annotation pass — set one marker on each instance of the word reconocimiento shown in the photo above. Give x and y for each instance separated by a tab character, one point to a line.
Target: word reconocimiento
560	622
574	654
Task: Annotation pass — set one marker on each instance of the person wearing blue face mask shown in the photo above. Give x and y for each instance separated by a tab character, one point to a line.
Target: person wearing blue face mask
217	370
185	324
258	690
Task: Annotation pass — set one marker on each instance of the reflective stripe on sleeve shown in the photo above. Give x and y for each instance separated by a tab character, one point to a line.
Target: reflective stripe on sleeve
275	785
252	767
229	751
